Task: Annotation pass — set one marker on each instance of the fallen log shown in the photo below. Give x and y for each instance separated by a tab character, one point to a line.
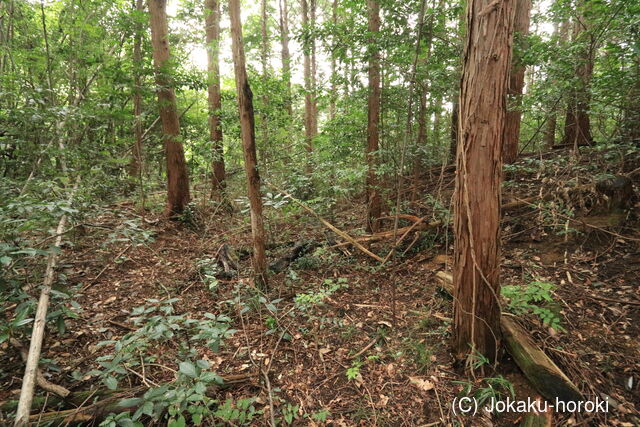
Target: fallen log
539	369
299	249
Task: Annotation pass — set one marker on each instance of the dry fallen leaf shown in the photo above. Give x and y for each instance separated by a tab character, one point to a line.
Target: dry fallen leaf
423	385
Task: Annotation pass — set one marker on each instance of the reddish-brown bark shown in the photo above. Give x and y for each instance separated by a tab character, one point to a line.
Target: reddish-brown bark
577	125
476	269
212	23
177	177
516	85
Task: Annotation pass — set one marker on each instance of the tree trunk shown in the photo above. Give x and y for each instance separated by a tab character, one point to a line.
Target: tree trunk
552	118
454	129
247	131
476	326
334	89
212	23
135	168
516	85
286	56
314	71
374	202
264	60
577	127
310	130
177	178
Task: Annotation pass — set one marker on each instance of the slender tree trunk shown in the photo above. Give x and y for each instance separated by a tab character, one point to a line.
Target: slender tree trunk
454	129
516	85
334	89
577	128
247	130
437	118
631	109
212	24
177	178
552	118
308	96
135	169
314	71
264	60
374	200
286	56
476	269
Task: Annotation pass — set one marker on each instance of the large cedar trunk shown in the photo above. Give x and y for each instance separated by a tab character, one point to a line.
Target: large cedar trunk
177	178
212	22
577	126
247	131
374	202
516	85
476	268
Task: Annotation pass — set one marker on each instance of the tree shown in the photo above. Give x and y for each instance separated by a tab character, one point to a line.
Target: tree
212	23
482	109
135	169
516	85
577	125
247	132
374	200
177	178
286	56
310	123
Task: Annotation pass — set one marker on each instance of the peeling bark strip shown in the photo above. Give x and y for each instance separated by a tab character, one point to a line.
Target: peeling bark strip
212	23
247	131
483	87
177	179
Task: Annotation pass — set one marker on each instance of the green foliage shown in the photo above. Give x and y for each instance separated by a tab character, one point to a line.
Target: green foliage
534	298
305	301
354	371
208	269
493	388
157	325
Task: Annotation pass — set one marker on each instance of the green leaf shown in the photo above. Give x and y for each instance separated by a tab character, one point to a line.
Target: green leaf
111	383
180	422
130	403
196	419
188	369
5	260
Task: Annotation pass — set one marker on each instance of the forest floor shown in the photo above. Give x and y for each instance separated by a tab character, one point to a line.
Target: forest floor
338	337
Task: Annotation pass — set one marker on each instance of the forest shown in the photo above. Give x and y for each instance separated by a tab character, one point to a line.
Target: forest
320	212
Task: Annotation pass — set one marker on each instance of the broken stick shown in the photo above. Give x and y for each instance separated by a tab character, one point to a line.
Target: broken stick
39	323
329	225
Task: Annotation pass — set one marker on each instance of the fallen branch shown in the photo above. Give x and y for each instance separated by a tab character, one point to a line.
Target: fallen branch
39	323
41	381
539	369
330	226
